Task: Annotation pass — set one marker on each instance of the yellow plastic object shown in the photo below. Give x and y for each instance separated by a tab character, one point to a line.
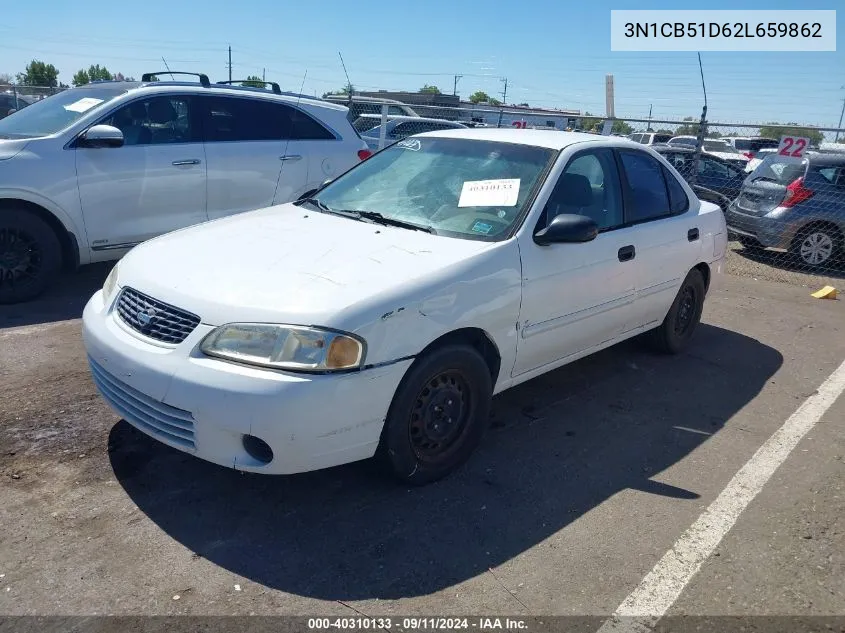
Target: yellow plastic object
828	292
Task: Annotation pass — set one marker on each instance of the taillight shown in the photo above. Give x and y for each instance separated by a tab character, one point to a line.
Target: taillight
748	155
364	154
796	193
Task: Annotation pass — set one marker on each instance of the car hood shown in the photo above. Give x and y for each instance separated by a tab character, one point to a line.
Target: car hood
12	147
289	264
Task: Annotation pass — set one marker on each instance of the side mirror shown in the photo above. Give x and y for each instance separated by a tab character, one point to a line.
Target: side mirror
101	136
567	228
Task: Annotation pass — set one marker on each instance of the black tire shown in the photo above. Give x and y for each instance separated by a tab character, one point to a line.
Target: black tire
30	255
419	443
676	331
817	246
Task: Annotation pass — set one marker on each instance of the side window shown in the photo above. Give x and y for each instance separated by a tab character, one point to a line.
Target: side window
649	198
588	186
678	200
305	128
155	121
234	119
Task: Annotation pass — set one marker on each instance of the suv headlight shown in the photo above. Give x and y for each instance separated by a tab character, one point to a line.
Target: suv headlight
110	284
291	347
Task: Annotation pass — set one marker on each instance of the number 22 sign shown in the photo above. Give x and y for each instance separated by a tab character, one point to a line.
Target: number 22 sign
793	146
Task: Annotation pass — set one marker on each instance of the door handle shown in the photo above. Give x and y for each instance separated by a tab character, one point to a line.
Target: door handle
692	234
292	158
627	253
187	161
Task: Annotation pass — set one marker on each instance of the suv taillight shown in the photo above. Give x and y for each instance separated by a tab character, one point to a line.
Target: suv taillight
748	155
364	154
796	193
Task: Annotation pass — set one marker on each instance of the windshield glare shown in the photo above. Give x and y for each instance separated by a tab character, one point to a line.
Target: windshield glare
460	187
55	113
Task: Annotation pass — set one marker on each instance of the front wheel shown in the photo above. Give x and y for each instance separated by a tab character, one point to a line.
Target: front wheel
676	331
438	416
30	255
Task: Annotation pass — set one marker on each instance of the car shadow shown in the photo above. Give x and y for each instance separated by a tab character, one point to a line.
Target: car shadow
559	446
789	262
62	301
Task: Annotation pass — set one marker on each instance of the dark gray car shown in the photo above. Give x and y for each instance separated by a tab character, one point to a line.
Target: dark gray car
794	204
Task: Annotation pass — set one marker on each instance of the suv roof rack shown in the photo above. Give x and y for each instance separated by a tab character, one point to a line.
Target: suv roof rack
273	85
152	76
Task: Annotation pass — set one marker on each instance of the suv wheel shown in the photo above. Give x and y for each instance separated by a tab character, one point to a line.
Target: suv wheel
30	255
816	245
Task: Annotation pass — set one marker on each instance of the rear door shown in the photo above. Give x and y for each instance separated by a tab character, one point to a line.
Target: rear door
667	236
249	154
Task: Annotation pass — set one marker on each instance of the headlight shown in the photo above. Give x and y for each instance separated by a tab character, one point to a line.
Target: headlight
289	347
110	284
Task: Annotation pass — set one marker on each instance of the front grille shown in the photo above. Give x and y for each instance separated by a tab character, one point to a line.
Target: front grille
153	318
155	418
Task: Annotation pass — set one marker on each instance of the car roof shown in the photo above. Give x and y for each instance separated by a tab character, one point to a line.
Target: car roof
550	139
834	159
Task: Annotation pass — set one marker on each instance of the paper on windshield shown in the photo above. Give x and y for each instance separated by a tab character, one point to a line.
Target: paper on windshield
83	105
490	193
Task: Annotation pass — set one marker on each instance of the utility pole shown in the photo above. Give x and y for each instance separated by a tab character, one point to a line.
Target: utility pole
263	74
230	63
649	118
504	80
841	114
455	89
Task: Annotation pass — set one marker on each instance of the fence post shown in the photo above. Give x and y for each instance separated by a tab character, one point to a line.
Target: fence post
15	92
699	147
382	133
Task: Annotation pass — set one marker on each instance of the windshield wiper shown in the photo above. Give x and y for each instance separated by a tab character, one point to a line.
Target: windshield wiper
322	206
378	218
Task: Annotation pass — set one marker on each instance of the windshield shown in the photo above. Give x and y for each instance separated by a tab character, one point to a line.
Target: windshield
55	113
683	140
719	146
463	188
779	169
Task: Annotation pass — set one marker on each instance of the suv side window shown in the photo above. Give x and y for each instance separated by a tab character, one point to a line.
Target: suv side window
305	128
239	119
156	121
649	198
588	186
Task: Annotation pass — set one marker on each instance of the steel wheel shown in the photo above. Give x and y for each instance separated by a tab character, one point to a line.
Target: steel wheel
21	258
439	416
816	248
686	310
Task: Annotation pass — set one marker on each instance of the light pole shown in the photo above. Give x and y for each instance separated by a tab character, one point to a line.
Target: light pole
841	114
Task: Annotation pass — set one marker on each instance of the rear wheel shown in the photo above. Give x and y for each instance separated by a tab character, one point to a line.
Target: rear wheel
438	415
30	255
817	246
676	331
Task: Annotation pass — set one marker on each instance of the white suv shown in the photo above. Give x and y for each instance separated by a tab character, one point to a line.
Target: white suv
90	172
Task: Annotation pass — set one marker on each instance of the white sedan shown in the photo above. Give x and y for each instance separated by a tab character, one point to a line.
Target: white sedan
379	316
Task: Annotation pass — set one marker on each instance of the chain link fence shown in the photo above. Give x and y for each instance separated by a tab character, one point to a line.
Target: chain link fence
14	97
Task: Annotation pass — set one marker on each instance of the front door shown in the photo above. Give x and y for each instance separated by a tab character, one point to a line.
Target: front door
153	184
576	297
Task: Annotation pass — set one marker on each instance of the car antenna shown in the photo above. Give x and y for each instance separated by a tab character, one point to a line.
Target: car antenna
284	157
702	131
348	82
168	68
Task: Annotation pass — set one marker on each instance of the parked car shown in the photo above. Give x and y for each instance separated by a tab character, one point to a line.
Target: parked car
649	138
749	146
712	172
758	158
11	102
379	316
359	105
92	171
399	127
714	147
794	204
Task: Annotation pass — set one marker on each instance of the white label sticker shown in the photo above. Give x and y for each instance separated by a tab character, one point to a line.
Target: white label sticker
793	146
83	105
489	193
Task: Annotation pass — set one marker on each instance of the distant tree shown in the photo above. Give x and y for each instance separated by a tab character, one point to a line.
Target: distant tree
494	102
791	129
523	105
688	129
122	77
254	81
664	130
620	127
433	90
5	79
38	73
80	78
590	122
94	73
479	97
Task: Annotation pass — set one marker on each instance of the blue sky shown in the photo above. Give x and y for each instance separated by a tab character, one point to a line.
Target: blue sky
554	54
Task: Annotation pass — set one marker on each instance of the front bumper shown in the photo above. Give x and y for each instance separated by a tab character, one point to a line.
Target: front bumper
206	406
770	232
